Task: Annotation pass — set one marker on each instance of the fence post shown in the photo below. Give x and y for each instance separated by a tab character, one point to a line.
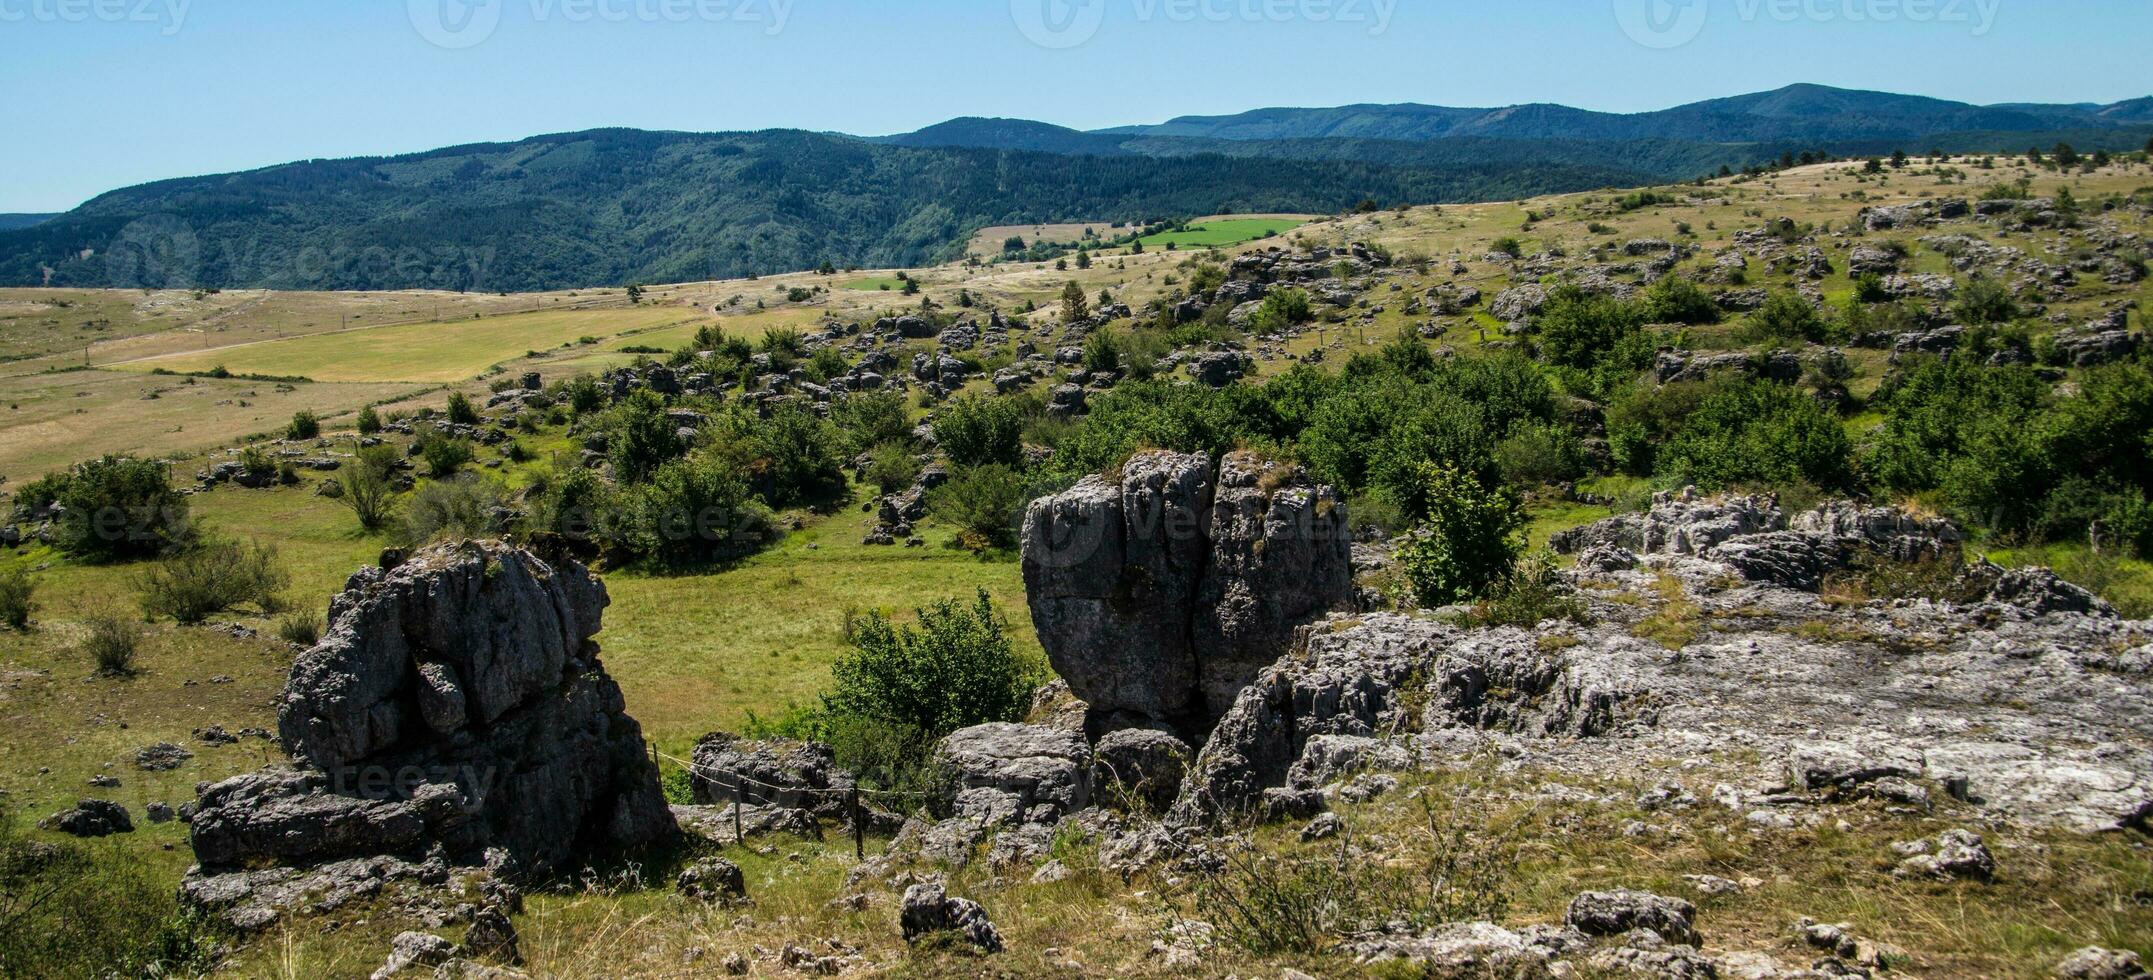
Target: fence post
740	802
859	828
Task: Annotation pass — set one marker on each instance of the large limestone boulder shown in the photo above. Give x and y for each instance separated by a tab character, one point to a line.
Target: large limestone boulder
456	708
1161	593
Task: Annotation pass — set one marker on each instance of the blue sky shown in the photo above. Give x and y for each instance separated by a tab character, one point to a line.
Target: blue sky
106	93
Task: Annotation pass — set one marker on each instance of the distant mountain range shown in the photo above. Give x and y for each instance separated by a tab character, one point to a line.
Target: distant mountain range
608	207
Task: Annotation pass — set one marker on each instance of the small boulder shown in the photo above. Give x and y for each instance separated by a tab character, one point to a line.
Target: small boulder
1957	854
412	950
91	818
2096	963
713	880
928	909
1613	913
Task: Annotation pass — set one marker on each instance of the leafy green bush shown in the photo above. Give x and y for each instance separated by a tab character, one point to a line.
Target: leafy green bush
793	457
1102	351
1757	432
304	425
977	430
1982	300
691	511
1282	308
459	507
1786	317
116	508
1538	453
17	598
1576	327
368	486
872	418
1467	536
891	467
369	421
445	455
460	409
987	502
956	670
1674	299
643	437
214	577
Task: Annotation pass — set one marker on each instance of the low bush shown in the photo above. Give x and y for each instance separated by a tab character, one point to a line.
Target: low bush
464	506
17	598
116	508
304	425
444	454
1531	593
1467	536
891	467
986	502
368	486
111	644
300	627
214	577
975	431
957	669
460	410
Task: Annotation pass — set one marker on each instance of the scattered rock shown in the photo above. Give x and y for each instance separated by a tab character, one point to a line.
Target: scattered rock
91	818
1612	913
713	880
927	908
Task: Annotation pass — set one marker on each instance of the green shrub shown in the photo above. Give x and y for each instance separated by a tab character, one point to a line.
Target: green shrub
457	508
1577	327
872	418
460	409
369	421
111	644
1467	536
956	670
214	577
1786	317
583	395
1757	432
1282	308
891	467
304	425
692	511
1984	300
300	627
643	437
444	455
368	486
1538	453
1674	299
792	458
986	502
116	508
17	598
1102	351
977	430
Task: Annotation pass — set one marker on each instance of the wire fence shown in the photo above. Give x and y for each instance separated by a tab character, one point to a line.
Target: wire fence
737	784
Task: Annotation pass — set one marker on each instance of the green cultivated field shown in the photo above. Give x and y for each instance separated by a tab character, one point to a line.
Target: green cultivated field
455	350
875	284
1224	232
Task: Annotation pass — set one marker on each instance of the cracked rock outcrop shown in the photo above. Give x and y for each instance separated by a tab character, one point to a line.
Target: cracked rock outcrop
456	708
2007	690
1162	593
